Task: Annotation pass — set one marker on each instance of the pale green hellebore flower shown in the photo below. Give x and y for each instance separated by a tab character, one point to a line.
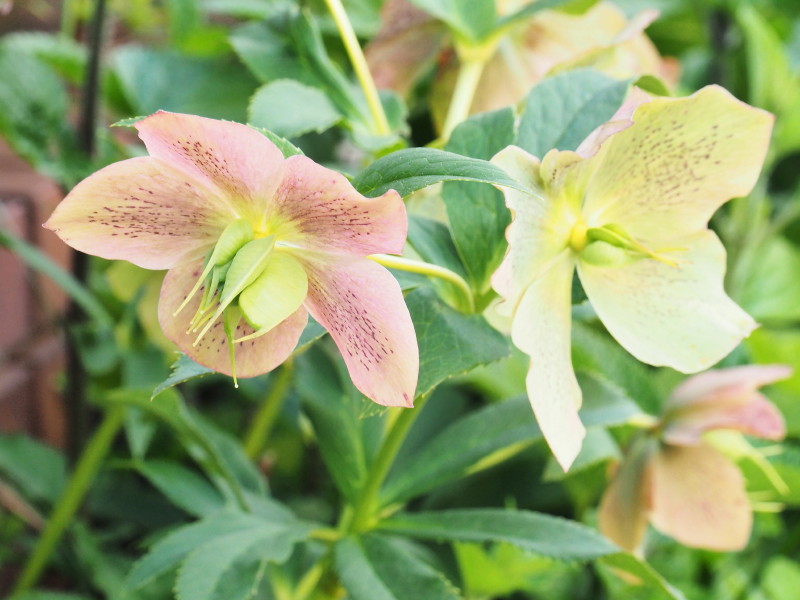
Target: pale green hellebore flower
630	211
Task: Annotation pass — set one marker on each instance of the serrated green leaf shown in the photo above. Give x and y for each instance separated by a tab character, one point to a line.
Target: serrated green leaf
561	111
543	534
412	169
183	370
170	551
450	343
202	571
477	213
290	108
472	443
184	488
373	567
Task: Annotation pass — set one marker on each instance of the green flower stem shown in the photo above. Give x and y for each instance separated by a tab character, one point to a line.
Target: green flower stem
308	584
473	57
82	478
268	412
363	514
359	66
429	270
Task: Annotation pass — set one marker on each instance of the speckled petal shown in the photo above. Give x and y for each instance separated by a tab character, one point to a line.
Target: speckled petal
698	498
236	159
541	329
667	316
361	305
141	210
667	174
253	357
318	209
622	515
541	223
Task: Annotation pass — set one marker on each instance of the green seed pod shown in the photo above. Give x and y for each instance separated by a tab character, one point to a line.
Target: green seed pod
233	238
603	254
277	293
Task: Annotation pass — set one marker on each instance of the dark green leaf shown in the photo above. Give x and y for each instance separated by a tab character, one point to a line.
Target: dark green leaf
450	342
412	169
561	111
433	243
153	80
532	8
185	488
475	442
374	567
183	370
477	212
542	534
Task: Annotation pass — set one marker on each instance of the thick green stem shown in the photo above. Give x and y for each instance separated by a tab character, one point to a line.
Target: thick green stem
429	270
268	412
359	66
82	477
366	506
469	74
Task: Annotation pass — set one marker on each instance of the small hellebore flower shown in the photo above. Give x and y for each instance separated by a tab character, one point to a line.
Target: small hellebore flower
253	243
685	486
629	210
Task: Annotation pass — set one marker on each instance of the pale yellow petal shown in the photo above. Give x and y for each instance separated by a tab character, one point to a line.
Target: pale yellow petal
541	328
678	317
682	159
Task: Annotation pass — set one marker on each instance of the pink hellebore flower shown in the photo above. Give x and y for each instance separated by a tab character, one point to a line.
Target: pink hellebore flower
628	210
253	243
687	488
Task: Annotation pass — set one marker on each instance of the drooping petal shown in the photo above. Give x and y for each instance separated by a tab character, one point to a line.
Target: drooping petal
698	498
541	223
622	515
361	305
318	209
681	160
720	385
235	159
541	329
724	399
664	315
253	357
141	210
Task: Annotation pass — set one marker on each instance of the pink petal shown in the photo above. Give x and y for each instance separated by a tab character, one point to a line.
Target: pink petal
698	498
622	515
622	119
723	384
320	210
233	158
254	357
724	399
141	210
361	305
